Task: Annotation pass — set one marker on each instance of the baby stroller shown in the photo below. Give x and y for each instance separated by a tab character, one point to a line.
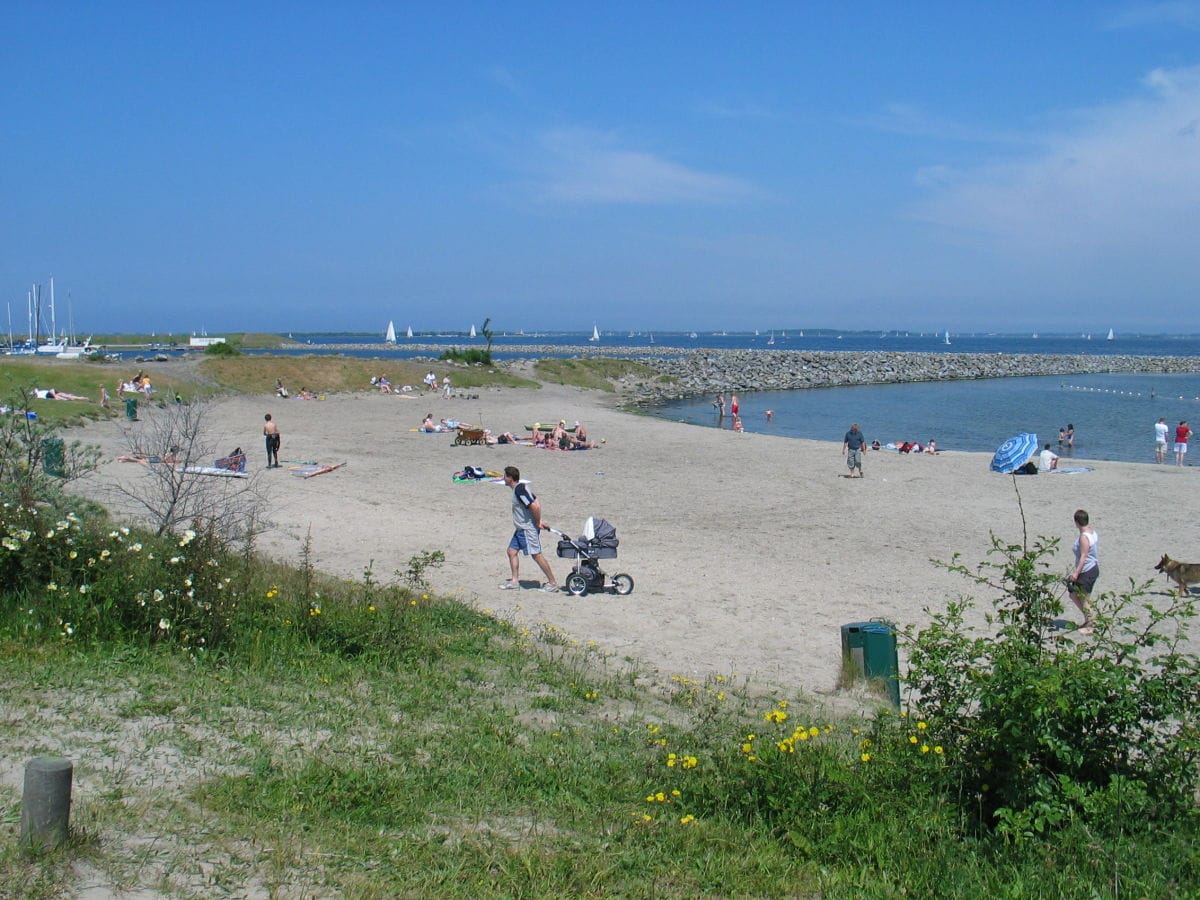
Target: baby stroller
598	541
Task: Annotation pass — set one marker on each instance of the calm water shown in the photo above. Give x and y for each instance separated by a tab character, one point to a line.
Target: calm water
640	343
1113	415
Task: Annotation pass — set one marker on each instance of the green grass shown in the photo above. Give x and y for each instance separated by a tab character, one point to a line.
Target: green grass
594	374
340	373
485	760
83	378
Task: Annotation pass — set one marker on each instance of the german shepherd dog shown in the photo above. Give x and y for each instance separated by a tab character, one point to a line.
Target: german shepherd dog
1182	573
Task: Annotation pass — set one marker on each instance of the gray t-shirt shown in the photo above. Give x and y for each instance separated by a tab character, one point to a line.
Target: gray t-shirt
523	498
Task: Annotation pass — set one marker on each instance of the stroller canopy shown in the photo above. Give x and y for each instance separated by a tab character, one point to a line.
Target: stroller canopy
599	532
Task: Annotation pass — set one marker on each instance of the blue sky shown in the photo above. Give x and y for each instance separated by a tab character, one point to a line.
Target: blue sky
316	166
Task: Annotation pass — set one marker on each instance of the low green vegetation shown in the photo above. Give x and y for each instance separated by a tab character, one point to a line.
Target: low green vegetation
21	375
595	374
336	374
252	727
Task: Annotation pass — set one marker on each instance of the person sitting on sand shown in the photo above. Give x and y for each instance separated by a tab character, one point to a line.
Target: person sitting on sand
280	390
1047	459
385	386
429	425
580	432
931	447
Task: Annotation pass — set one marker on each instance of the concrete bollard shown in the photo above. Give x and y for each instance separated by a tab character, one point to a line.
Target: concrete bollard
46	805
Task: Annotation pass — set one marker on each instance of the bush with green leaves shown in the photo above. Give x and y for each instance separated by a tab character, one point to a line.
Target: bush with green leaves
1044	728
26	446
471	356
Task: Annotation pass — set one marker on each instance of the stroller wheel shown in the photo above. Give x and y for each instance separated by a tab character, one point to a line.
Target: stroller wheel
577	584
622	584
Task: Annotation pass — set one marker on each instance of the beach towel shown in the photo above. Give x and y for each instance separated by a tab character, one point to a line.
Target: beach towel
215	470
312	469
1069	470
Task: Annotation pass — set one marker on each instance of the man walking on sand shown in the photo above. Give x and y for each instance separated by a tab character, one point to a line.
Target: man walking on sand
272	439
528	525
853	446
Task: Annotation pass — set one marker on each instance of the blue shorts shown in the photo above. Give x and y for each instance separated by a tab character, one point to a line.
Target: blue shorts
527	542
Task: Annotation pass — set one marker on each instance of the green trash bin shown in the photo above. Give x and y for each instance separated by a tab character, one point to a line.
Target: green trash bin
869	651
52	457
131	408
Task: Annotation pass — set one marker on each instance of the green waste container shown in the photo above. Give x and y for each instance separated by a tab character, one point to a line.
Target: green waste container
131	408
52	456
869	651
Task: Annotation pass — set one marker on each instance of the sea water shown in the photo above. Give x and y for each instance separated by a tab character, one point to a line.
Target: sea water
1113	414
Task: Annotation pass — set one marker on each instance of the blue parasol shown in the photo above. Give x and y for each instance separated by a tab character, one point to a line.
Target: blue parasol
1014	453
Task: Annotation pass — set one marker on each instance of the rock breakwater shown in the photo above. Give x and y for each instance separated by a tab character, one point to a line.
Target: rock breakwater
702	372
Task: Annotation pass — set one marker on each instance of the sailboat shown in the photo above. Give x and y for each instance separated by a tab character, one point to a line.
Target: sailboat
53	344
595	333
771	339
409	331
947	341
390	337
472	331
1111	336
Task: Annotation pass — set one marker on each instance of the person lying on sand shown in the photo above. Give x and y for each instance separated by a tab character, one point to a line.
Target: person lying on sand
170	458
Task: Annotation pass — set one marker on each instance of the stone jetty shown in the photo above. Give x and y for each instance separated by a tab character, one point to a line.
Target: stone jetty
700	372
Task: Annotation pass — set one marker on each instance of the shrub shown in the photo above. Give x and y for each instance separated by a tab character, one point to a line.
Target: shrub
470	356
1042	729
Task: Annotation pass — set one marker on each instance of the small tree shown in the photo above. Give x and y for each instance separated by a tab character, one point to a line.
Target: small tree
24	445
489	334
175	494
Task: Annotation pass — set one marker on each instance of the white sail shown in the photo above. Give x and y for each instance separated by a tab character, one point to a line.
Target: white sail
409	331
472	331
390	337
1111	336
595	334
947	337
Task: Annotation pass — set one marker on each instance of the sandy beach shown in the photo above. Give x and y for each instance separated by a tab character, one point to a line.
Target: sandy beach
748	551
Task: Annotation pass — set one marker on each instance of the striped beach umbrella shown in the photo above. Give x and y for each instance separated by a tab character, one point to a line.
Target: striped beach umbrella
1014	453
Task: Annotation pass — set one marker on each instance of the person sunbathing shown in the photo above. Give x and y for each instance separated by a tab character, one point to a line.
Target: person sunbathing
51	394
385	386
170	458
305	395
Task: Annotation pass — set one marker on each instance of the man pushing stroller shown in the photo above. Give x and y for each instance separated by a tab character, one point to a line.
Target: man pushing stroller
527	539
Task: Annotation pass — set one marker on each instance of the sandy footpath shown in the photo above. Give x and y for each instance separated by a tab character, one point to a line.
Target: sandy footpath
748	551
